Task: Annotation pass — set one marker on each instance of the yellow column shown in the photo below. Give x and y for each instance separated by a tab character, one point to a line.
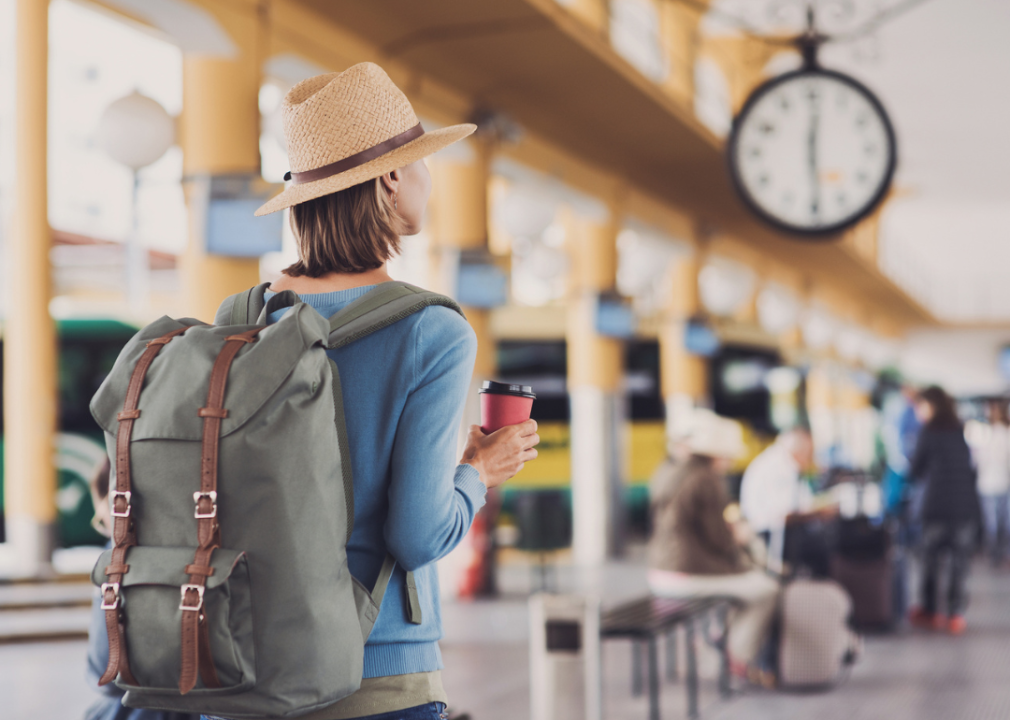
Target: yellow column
684	377
219	135
742	60
459	222
593	13
680	40
30	381
458	217
594	375
593	360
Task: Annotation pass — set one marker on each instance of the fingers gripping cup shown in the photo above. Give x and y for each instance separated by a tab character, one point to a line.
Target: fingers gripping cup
502	404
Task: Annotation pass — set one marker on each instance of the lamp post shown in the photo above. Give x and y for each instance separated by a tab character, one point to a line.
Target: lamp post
135	131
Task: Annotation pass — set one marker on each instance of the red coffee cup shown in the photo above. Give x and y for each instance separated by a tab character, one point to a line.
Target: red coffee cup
503	404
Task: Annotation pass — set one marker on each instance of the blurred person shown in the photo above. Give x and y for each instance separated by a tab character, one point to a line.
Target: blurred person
942	463
909	428
773	493
772	487
695	552
992	458
110	705
359	184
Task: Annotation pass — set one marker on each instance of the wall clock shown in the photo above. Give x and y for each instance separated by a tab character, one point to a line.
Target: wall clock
812	151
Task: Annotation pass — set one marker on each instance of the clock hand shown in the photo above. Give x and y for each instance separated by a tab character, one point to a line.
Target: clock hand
815	180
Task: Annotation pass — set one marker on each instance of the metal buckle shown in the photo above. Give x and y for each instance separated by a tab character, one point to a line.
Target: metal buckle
197	497
115	494
182	602
114	587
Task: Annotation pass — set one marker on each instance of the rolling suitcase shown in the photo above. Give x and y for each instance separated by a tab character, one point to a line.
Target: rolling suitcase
865	564
815	641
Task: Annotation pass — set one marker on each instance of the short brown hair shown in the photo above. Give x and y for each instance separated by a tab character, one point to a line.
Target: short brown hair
350	231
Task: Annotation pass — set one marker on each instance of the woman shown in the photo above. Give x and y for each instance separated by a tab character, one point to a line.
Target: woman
942	462
359	183
993	461
695	552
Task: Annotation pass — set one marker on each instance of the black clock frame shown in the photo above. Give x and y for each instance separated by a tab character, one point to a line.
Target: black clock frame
824	232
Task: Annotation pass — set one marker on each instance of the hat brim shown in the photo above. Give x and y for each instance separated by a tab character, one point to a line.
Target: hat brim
427	144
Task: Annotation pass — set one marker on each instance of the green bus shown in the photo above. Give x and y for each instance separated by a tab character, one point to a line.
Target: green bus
87	351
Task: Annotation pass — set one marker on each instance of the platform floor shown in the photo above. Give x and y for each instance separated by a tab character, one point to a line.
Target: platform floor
908	676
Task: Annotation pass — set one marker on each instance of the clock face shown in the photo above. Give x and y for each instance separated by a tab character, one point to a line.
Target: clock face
812	151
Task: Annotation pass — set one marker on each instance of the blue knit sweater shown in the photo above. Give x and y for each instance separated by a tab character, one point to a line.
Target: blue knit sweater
404	387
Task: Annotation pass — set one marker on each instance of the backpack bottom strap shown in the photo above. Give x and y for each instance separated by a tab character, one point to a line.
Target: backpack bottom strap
119	663
196	655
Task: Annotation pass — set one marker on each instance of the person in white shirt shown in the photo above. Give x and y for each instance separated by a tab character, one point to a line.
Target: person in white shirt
772	489
992	459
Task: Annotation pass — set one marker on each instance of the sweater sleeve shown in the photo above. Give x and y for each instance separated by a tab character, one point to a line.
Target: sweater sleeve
431	507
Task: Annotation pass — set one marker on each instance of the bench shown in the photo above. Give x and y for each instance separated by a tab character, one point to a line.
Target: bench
643	621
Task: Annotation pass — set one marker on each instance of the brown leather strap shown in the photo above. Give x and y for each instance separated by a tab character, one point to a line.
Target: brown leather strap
199	570
118	657
196	654
207	670
123	532
353	161
120	499
190	652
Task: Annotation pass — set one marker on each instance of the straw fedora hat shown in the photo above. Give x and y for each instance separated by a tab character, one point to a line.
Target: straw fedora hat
714	436
345	128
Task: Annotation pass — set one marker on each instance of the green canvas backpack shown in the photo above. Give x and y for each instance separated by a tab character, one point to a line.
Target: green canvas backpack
227	591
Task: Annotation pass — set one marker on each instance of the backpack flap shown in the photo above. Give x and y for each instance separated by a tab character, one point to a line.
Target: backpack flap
150	597
181	374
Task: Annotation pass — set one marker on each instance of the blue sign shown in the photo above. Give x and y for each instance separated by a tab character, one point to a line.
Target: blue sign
231	226
233	230
481	285
1004	362
615	318
700	339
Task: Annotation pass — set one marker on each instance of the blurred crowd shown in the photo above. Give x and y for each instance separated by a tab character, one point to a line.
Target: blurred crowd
941	492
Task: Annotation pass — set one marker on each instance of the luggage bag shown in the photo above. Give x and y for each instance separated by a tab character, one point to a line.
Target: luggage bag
815	642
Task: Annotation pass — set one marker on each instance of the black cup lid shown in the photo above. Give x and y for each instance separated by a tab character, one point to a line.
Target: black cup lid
497	388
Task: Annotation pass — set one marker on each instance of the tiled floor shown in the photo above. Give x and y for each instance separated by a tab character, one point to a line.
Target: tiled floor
912	676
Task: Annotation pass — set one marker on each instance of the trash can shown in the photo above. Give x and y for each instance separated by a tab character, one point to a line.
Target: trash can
565	671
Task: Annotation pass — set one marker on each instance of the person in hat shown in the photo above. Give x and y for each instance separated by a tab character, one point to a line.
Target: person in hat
695	552
358	184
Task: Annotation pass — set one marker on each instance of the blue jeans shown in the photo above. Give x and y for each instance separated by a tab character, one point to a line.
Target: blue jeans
431	711
996	511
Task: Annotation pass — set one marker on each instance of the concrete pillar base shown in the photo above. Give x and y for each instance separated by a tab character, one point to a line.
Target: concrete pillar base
28	551
596	474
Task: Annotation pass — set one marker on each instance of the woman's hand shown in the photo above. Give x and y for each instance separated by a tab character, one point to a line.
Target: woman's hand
502	454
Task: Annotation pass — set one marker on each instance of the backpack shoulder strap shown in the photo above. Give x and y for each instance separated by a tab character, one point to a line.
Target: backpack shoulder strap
383	306
242	308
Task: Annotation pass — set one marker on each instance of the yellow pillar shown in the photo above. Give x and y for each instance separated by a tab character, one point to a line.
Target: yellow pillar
684	377
30	380
594	13
593	360
742	60
595	366
219	135
680	40
459	222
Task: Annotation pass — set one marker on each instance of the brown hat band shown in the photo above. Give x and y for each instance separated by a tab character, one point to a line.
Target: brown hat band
348	163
